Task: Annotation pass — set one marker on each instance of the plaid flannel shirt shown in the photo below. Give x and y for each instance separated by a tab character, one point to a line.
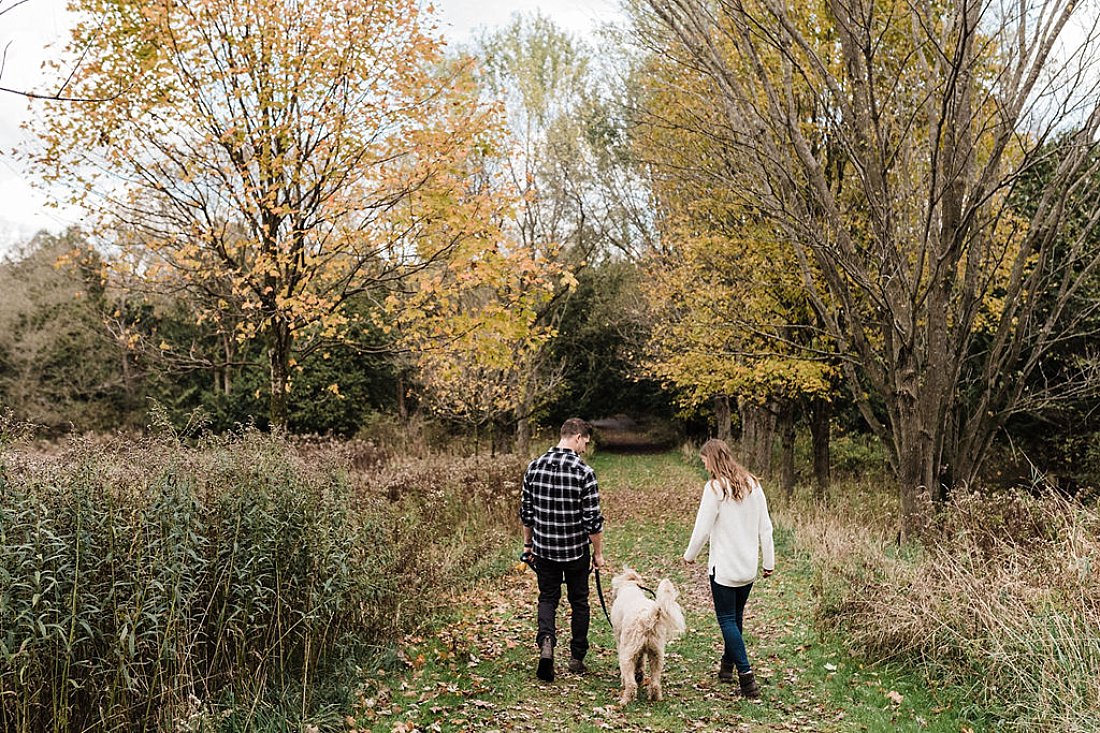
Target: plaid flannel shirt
560	501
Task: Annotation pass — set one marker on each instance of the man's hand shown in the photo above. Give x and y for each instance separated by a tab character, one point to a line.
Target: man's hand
597	560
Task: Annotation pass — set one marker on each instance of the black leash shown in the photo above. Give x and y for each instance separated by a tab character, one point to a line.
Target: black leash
529	558
599	592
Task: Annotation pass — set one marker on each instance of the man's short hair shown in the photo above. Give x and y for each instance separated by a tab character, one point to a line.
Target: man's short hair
575	426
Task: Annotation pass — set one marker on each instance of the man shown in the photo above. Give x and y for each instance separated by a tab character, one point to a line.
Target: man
560	511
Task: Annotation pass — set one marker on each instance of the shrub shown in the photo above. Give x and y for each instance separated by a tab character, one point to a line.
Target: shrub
466	507
855	454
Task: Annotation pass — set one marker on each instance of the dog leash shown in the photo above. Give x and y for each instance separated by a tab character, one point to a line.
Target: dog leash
599	592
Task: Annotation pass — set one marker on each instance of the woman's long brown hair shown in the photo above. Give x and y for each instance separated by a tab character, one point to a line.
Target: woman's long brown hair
735	480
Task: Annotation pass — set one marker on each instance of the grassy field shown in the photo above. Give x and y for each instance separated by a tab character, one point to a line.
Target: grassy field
475	672
237	584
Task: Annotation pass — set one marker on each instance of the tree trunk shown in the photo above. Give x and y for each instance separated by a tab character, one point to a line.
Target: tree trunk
227	373
913	459
787	435
128	377
910	490
757	435
402	407
722	415
279	357
523	436
523	424
820	414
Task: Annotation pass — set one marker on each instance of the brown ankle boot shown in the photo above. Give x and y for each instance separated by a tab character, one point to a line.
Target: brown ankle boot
749	687
725	671
545	670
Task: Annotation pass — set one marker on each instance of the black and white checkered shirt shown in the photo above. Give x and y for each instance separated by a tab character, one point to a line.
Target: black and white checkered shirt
560	501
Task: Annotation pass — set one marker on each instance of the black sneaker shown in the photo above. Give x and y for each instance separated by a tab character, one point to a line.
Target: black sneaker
545	670
576	666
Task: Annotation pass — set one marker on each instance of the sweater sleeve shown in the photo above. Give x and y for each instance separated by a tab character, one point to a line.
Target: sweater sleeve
704	523
767	547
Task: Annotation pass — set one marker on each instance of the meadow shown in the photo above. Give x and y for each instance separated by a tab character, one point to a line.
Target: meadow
247	583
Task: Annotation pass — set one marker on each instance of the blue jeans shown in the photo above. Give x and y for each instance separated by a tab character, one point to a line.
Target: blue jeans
729	607
574	574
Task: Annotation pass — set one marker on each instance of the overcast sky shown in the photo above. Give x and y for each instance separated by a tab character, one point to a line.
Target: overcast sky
34	29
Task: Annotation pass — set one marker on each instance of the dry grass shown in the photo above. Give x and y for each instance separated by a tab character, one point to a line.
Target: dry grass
1001	597
148	583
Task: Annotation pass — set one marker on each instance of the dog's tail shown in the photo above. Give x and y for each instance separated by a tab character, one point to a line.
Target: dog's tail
666	602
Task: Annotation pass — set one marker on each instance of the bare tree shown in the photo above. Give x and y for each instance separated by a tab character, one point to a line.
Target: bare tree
886	142
578	200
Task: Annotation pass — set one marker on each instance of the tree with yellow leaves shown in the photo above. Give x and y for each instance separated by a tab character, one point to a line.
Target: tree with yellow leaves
730	318
276	159
476	347
884	142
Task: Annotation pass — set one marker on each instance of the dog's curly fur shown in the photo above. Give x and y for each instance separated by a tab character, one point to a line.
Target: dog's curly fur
642	628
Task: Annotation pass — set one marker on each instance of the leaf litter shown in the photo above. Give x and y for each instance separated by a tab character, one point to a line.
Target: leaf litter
476	674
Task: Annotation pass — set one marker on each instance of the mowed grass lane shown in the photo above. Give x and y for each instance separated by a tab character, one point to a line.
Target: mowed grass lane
475	671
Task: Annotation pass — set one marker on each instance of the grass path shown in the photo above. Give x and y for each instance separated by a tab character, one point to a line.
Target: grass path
476	672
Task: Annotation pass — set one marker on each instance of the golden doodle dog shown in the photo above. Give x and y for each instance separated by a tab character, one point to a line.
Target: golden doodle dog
642	628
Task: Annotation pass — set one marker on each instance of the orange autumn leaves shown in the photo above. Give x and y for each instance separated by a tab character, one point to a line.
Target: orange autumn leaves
280	163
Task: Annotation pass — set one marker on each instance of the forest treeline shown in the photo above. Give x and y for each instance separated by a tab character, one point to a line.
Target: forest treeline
734	218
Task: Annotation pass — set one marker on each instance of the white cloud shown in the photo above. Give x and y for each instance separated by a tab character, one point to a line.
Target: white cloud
32	32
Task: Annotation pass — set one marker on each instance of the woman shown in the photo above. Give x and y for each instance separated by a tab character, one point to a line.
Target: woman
733	517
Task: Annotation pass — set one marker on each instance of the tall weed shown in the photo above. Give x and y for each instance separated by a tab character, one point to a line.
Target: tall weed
1001	598
152	586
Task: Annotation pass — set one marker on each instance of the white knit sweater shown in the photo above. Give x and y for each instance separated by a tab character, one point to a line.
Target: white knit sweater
737	531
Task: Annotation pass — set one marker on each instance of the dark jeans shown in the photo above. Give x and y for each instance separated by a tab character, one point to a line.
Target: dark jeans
574	574
729	607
